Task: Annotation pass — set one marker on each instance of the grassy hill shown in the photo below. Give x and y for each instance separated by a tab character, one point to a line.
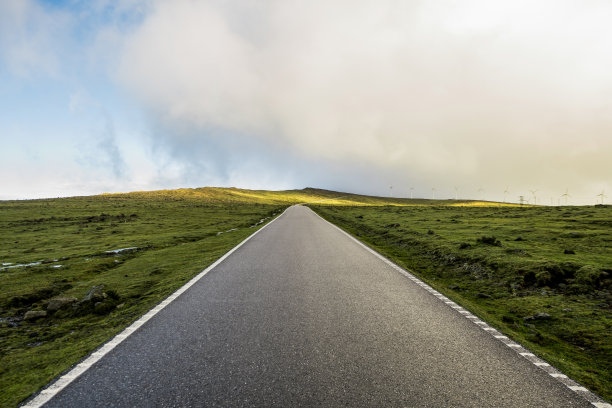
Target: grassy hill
220	195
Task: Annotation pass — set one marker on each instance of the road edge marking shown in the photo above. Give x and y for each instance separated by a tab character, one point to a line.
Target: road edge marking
522	351
59	383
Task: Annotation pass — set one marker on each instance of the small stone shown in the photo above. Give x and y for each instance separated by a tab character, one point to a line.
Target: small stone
95	294
120	306
35	314
57	303
542	316
453	287
566	310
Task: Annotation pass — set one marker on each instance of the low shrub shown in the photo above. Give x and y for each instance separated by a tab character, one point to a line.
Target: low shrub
489	240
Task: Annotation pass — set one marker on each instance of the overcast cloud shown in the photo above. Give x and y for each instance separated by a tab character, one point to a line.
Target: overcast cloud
350	95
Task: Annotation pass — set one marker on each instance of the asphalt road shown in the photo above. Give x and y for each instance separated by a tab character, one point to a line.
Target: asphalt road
301	315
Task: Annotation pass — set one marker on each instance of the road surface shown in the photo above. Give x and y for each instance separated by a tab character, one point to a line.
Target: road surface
302	315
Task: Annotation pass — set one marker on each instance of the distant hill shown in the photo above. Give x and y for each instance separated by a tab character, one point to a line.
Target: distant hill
305	196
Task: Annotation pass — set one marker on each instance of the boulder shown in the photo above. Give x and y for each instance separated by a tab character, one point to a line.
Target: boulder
57	303
95	294
34	314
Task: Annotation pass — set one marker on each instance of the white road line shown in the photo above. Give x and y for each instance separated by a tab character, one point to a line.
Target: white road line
56	386
558	375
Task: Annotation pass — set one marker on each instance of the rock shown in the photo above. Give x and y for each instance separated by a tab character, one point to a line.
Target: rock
95	294
453	287
566	310
120	305
57	303
35	314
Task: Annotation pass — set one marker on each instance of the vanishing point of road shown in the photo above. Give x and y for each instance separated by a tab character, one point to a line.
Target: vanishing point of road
301	315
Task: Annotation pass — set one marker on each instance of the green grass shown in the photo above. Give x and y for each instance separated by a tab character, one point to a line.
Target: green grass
507	264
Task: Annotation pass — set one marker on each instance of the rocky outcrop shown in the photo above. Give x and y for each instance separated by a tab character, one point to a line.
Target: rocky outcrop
35	314
58	303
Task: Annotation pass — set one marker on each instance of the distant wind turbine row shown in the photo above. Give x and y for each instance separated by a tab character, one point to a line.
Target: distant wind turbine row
533	198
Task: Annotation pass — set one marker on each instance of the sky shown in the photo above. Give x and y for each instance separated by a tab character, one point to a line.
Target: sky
435	98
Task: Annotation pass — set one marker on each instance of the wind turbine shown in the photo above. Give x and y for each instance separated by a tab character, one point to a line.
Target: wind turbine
433	193
506	192
481	190
456	193
535	199
566	195
411	188
602	195
391	191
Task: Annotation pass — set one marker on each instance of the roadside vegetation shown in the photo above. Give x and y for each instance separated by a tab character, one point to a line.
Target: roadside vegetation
542	275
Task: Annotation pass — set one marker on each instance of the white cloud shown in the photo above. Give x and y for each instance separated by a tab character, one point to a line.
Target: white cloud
32	39
470	93
341	94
